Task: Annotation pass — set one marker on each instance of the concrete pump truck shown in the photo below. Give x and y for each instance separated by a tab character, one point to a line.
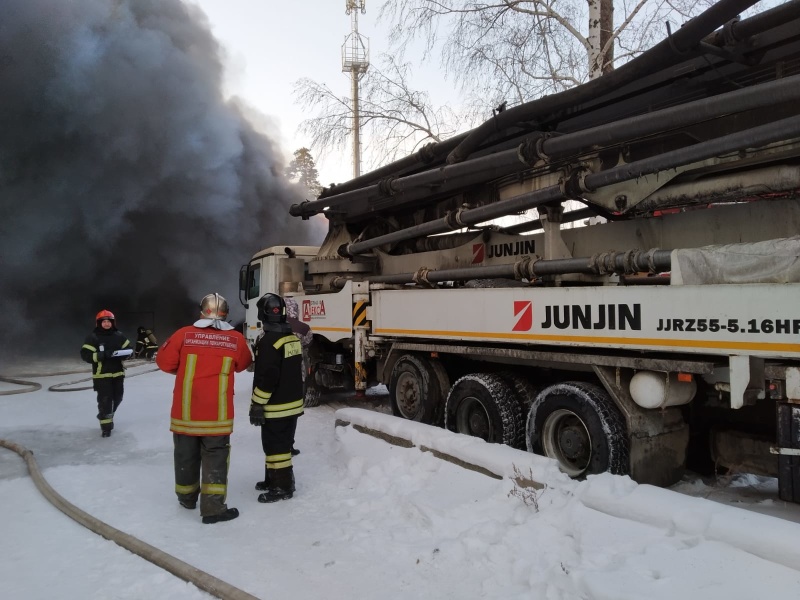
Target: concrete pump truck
667	335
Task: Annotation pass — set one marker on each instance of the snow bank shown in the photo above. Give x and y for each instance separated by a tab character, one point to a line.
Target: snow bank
763	536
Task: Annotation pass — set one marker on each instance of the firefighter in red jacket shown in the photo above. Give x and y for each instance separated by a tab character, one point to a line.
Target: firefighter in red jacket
105	349
277	399
204	356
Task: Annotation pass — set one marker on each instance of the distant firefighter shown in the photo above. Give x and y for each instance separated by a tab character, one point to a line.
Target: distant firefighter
105	348
146	343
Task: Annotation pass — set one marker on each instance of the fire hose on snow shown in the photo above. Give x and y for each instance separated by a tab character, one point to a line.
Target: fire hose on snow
202	580
32	386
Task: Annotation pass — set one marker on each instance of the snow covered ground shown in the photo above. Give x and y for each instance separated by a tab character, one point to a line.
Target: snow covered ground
369	520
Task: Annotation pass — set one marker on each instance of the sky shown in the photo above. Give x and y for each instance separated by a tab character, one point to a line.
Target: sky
369	519
270	45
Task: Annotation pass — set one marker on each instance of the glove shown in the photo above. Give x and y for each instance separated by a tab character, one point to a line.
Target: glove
257	417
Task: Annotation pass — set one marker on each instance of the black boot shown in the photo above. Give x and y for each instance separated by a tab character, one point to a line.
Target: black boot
274	494
263	485
105	433
281	486
228	515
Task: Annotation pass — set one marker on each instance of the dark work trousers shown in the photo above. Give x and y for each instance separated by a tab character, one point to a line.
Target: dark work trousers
277	441
109	397
211	455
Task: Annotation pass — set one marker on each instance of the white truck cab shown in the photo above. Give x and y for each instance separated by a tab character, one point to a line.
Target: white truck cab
280	270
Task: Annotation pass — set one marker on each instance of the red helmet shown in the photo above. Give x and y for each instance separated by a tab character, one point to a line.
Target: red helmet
105	314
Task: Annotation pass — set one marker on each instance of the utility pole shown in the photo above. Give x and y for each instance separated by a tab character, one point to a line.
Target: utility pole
355	61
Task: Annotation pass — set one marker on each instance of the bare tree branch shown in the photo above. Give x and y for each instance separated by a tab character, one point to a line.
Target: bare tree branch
494	51
395	119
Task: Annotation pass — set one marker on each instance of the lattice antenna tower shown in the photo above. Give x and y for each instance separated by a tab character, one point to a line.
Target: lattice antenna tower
355	61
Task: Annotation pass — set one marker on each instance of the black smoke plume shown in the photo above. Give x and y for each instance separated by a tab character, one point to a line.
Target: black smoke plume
127	181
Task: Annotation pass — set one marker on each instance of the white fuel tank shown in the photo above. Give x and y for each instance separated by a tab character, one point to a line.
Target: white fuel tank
653	389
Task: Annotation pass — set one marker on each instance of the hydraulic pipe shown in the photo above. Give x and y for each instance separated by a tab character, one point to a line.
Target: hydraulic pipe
652	261
755	137
771	93
568	217
426	154
466	174
462	218
750	138
508	161
769	19
678	47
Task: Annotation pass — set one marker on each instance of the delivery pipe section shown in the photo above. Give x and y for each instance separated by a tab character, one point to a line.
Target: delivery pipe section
675	48
750	138
568	217
637	261
508	161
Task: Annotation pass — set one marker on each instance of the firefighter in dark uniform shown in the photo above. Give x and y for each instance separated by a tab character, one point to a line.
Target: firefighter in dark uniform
105	348
146	343
277	398
204	357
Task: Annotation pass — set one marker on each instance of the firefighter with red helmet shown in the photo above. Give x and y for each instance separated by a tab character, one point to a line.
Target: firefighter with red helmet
204	356
105	348
277	399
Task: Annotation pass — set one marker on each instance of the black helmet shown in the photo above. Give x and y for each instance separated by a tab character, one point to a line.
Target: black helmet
271	309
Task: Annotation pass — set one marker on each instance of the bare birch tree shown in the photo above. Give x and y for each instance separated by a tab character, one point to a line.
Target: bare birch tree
518	50
500	51
395	119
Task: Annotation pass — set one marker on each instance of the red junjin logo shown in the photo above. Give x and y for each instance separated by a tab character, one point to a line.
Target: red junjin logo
523	310
478	252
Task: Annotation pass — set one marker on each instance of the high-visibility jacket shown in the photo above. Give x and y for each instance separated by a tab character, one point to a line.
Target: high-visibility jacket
278	375
204	360
103	364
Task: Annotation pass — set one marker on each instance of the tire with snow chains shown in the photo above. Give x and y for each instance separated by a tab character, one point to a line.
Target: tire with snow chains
579	425
415	390
525	393
311	397
483	405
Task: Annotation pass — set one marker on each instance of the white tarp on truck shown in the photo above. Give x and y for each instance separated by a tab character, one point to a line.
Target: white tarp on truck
770	261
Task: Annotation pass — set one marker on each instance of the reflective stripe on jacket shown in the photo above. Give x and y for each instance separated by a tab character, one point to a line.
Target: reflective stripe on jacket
204	361
277	377
111	340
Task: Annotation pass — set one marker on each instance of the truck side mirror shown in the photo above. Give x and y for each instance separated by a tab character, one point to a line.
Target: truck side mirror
243	278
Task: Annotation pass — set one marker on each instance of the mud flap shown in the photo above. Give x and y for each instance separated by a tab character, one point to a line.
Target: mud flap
789	451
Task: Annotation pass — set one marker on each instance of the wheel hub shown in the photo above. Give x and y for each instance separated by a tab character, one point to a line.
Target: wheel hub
472	419
572	442
478	425
566	438
407	395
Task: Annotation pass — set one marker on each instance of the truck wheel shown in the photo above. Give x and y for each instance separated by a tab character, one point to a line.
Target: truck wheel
483	405
311	396
414	390
579	425
525	393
